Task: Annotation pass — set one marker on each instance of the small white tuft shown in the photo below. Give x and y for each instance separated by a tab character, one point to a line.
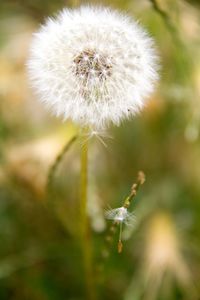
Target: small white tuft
119	214
92	65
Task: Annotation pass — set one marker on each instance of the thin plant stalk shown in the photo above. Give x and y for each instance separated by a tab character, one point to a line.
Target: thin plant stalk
86	242
57	162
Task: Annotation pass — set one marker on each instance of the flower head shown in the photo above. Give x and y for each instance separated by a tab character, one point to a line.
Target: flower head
92	65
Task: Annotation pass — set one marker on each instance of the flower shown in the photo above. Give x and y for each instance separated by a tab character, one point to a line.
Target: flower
92	65
119	215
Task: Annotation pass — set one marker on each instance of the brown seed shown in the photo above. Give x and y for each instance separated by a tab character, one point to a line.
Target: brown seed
120	246
90	64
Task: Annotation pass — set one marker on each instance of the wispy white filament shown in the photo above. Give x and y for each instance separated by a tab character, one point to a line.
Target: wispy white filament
92	65
119	214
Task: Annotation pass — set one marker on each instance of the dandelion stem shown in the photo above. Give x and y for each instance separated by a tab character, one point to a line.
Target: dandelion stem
84	222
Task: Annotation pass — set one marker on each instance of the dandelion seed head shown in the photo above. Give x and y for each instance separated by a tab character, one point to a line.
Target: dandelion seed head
93	65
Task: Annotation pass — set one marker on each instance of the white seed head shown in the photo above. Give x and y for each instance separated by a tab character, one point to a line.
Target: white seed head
92	65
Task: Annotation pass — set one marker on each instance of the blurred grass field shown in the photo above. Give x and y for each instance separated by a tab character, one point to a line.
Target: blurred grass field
39	247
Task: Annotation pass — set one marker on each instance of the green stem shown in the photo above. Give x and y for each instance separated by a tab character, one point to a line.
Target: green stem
57	162
168	22
84	222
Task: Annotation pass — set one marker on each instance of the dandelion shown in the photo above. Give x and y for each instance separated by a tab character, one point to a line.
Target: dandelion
96	67
93	65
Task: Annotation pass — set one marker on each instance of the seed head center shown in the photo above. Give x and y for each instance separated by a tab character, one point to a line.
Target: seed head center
89	64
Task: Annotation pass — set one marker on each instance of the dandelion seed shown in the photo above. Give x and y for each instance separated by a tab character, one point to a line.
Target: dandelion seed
93	65
120	246
119	216
101	135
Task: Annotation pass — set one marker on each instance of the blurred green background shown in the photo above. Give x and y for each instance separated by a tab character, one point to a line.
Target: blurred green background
40	257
